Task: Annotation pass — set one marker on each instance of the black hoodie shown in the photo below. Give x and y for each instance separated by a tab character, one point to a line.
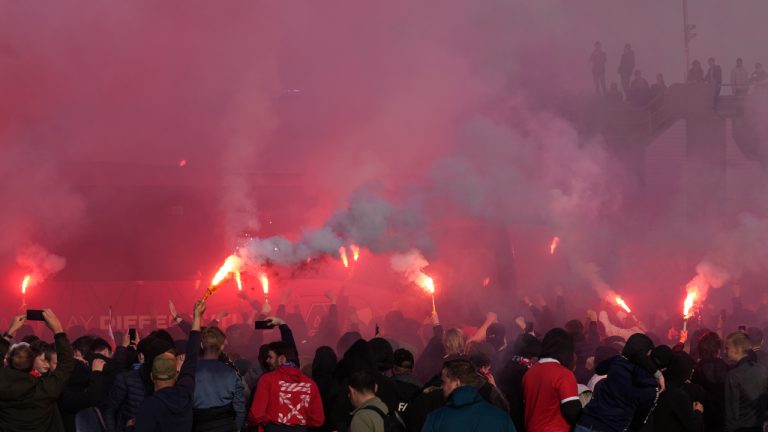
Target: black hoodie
170	409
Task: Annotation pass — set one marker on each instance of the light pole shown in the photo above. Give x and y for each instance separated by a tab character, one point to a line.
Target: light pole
688	35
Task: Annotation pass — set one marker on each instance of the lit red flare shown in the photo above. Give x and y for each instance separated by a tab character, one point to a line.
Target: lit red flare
264	283
622	304
343	255
553	245
231	265
487	281
239	281
690	299
355	252
25	283
426	283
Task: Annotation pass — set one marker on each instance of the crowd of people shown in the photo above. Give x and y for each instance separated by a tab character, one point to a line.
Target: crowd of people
605	372
636	91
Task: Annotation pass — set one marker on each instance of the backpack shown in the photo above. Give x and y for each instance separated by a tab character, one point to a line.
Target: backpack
392	422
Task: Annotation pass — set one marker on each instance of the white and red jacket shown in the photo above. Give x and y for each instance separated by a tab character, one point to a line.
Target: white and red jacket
288	397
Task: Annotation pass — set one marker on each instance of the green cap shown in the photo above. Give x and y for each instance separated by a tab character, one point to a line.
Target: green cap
164	368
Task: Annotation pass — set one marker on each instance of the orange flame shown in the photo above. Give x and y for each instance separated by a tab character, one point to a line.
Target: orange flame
264	283
25	283
554	244
620	301
343	255
231	265
355	252
690	299
426	283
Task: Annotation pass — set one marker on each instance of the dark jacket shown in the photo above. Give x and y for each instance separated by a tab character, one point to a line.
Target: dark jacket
627	393
746	395
28	403
423	404
170	409
465	411
125	396
84	389
710	374
407	389
674	411
510	382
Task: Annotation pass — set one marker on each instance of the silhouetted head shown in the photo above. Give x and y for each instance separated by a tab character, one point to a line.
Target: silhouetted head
628	47
598	45
711	61
660	78
637	73
739	62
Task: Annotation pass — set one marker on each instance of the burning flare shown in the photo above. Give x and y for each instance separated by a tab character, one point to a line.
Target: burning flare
25	283
487	281
553	245
620	301
690	299
426	283
238	280
355	252
231	266
343	255
264	283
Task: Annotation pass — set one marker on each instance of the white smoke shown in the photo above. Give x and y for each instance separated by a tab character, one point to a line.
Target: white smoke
369	222
39	263
410	265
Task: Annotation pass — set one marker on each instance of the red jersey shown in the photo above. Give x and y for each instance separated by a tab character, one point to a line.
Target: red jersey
287	397
546	385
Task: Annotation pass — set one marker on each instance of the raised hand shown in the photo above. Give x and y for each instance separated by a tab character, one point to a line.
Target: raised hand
52	321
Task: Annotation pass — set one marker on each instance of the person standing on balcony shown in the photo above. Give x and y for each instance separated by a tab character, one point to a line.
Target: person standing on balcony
598	59
714	75
626	67
739	79
695	73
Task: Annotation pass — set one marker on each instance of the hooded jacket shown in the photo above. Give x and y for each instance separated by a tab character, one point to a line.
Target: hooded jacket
28	403
628	392
170	409
467	411
286	396
674	411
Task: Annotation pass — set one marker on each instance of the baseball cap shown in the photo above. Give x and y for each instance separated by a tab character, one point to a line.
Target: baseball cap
164	368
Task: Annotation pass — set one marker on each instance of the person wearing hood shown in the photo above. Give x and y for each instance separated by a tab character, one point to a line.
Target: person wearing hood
323	365
28	403
676	411
524	352
710	373
169	407
549	387
285	399
359	357
626	397
465	408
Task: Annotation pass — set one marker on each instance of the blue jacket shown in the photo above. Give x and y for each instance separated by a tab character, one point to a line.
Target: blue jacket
218	385
467	411
626	396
